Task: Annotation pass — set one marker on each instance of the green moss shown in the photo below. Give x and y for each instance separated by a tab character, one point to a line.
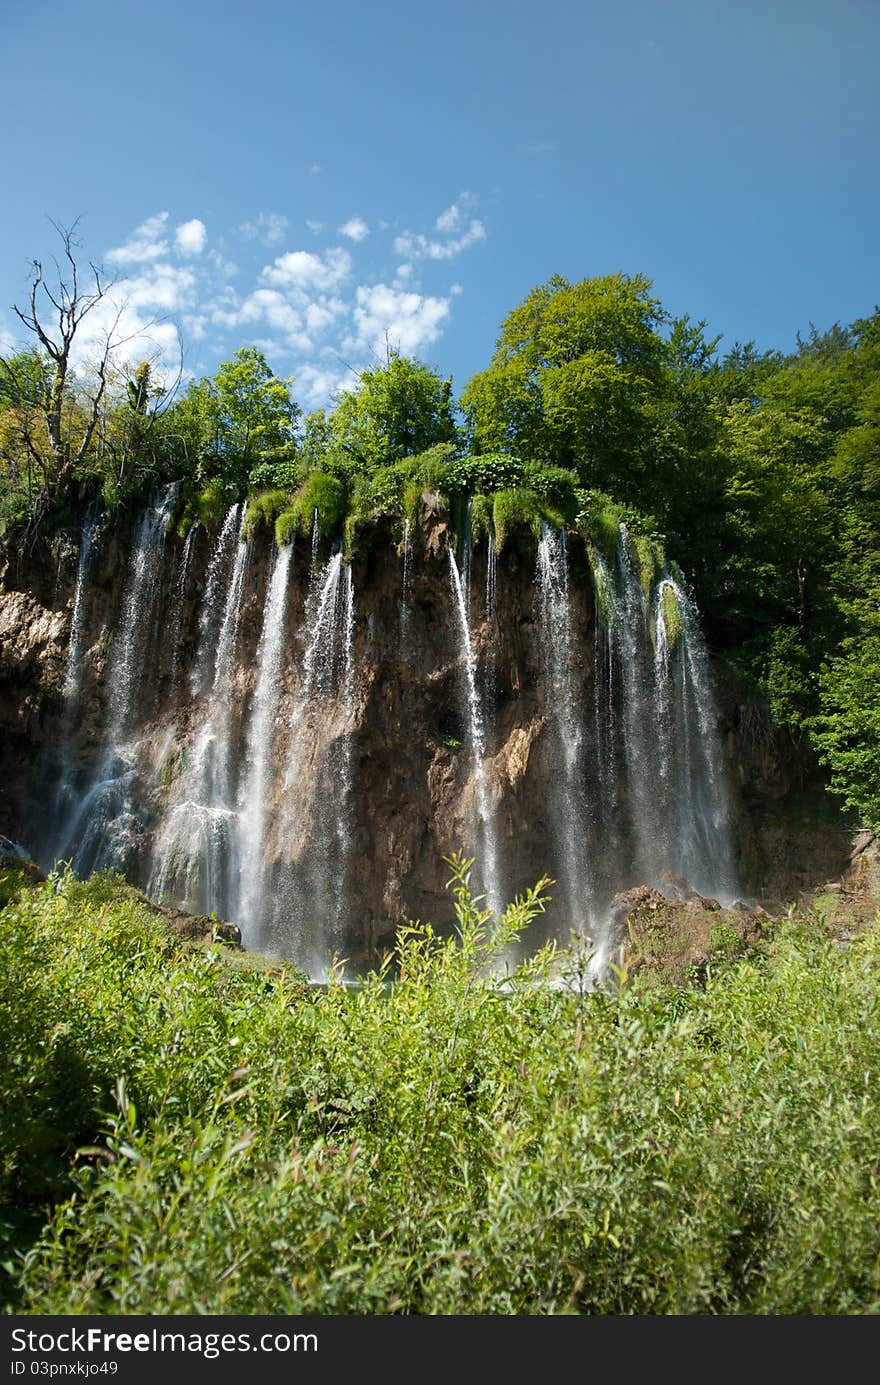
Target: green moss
650	558
323	493
264	509
211	505
515	509
286	526
671	616
556	487
412	501
603	584
481	518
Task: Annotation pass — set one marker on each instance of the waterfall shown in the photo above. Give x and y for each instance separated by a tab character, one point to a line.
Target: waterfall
101	827
406	588
179	598
73	674
486	825
491	577
315	816
73	671
256	795
655	729
208	614
693	769
195	859
564	711
633	654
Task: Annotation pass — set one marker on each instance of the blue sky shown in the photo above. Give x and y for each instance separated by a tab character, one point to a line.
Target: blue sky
311	177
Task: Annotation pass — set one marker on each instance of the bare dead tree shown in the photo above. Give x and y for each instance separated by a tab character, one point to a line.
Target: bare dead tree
54	315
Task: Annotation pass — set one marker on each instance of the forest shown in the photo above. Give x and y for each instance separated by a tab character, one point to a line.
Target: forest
187	1127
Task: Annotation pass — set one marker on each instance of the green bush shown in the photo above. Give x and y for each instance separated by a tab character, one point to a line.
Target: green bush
453	1136
286	527
481	518
263	510
556	486
492	471
323	493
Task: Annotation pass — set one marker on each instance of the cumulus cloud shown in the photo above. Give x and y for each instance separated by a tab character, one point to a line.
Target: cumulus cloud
315	385
316	227
146	243
412	246
305	273
191	237
268	227
355	229
410	321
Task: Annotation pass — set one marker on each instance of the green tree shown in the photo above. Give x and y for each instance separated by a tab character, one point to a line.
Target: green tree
572	378
239	425
400	410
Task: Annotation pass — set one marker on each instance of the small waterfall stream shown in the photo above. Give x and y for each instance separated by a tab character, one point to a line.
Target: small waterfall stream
566	715
100	827
487	853
196	856
256	790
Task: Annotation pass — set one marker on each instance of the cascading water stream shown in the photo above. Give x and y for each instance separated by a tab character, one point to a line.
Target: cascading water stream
255	792
405	609
491	577
100	828
74	670
633	655
73	675
697	784
196	856
486	825
209	623
569	806
179	599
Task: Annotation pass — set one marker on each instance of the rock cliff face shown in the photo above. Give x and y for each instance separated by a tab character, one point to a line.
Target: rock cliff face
297	740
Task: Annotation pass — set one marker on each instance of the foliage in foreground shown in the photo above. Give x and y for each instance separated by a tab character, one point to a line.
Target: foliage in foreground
442	1144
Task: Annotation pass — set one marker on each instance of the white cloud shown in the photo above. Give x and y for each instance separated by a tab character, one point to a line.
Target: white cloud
162	288
191	237
145	244
227	269
315	385
411	321
268	227
355	229
449	221
305	273
412	246
7	340
316	227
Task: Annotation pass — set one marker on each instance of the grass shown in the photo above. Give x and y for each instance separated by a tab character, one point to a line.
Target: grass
185	1135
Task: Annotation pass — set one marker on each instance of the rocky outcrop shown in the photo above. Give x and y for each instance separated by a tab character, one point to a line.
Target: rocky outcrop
413	792
677	938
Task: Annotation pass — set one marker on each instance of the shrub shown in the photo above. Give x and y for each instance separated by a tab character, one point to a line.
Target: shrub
492	471
322	493
264	509
512	509
455	1135
556	487
481	518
